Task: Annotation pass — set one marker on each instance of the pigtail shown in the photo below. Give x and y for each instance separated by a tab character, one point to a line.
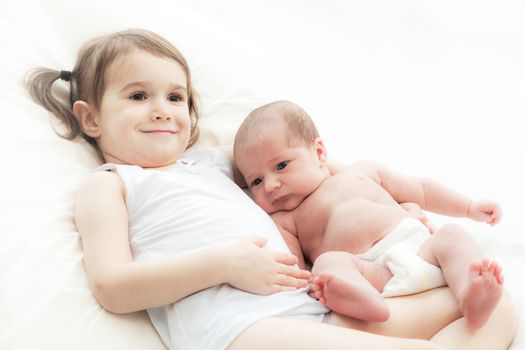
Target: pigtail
39	84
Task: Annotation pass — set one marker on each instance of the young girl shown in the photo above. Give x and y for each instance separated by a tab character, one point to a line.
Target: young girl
169	231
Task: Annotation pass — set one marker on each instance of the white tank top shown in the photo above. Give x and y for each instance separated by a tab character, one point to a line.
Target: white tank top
188	207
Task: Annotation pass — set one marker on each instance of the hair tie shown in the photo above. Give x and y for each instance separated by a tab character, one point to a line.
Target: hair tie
65	75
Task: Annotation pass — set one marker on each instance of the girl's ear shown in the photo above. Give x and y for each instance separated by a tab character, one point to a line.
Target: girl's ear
87	117
320	150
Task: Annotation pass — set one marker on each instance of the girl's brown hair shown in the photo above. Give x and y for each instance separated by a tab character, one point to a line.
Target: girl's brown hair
87	78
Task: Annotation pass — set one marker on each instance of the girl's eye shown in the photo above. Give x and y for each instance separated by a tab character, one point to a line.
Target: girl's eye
281	165
256	182
138	96
175	98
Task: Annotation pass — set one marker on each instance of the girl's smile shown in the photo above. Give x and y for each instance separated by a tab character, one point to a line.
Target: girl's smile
144	116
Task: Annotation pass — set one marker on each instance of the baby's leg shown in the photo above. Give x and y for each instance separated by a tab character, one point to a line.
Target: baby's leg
474	280
350	286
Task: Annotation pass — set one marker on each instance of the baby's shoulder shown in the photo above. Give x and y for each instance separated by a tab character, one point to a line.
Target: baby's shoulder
361	168
364	164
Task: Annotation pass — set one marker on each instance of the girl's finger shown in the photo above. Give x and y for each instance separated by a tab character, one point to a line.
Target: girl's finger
287	259
257	240
288	281
295	272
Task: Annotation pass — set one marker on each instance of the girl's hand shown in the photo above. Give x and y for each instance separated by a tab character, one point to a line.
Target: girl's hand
485	210
258	270
419	214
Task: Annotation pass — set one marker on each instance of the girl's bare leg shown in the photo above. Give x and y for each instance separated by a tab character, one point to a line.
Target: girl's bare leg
293	334
435	315
496	334
419	315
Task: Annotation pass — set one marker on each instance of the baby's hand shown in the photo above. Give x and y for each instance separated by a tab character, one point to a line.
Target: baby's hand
485	210
258	270
418	213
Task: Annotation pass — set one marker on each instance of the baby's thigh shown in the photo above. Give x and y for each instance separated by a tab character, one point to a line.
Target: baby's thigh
446	242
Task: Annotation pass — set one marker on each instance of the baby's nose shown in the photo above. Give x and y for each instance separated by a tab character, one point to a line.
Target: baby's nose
272	183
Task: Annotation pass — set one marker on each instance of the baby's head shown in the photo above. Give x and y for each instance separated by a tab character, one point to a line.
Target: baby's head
280	155
105	62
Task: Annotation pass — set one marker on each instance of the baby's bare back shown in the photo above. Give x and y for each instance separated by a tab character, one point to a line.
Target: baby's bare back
348	212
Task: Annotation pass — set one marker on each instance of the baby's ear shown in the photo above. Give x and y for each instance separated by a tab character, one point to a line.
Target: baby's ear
320	150
88	118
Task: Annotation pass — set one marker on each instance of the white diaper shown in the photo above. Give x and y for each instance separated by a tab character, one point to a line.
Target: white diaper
398	251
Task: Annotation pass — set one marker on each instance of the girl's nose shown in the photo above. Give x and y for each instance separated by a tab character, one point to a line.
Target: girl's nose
160	116
160	111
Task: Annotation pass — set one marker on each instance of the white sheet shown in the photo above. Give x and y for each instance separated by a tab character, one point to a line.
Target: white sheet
429	88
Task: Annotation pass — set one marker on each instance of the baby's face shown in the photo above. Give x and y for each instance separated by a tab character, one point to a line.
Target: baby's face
281	173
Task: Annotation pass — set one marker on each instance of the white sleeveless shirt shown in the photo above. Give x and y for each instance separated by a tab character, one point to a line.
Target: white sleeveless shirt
188	207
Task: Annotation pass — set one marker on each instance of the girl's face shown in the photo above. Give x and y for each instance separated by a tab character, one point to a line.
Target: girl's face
144	116
279	175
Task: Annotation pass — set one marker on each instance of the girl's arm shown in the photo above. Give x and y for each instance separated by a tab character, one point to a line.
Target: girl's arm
122	285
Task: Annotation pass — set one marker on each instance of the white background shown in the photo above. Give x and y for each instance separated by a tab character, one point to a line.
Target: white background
432	88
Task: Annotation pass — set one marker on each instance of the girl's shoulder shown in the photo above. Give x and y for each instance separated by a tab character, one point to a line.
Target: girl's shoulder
100	182
205	154
208	157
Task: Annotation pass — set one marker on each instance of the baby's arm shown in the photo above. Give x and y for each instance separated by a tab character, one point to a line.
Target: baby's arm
122	285
485	210
282	220
415	210
432	195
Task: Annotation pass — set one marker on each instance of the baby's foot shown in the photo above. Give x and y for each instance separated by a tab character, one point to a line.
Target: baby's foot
350	296
482	292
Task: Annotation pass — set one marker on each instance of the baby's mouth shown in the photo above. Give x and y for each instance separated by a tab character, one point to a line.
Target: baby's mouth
280	199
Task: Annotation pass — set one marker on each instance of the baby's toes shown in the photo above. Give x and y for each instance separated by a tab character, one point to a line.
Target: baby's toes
485	265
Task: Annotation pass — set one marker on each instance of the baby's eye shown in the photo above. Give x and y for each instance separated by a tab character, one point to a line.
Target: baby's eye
175	98
281	165
138	96
256	182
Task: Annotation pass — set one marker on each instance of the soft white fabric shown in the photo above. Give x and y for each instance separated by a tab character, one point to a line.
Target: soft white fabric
430	88
398	251
194	205
45	299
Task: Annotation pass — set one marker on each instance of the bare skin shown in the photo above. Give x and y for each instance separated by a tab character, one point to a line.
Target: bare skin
356	208
443	326
481	293
343	282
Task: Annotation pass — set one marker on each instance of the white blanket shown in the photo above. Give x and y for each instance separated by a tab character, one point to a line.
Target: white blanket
429	88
